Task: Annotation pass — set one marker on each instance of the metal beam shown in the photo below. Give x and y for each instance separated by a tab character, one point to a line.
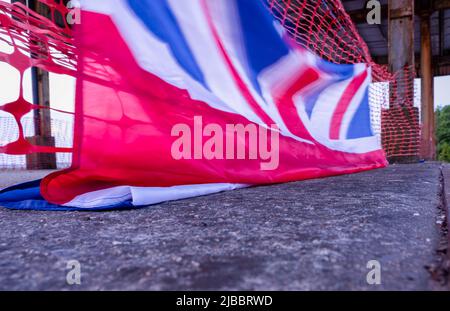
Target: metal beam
441	33
360	16
441	5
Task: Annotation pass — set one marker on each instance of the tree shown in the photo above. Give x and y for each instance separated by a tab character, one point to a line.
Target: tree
444	152
443	133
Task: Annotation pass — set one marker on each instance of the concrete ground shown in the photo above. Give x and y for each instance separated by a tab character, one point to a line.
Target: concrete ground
309	235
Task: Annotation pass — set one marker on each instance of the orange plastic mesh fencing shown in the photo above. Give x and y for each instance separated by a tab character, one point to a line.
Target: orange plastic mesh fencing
321	26
28	40
324	27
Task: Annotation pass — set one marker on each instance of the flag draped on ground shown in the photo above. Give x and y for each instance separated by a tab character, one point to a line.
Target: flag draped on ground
177	99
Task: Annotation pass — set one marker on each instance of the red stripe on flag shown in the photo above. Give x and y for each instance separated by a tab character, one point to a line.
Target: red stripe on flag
343	104
286	106
239	82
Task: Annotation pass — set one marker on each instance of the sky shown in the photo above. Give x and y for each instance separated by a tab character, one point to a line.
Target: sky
62	88
442	91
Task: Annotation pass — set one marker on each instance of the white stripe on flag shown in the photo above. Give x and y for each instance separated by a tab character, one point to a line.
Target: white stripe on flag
195	28
141	196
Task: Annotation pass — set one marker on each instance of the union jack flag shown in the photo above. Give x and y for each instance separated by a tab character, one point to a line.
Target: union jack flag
148	65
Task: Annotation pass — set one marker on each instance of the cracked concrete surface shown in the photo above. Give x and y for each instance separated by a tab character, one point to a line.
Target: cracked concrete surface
309	235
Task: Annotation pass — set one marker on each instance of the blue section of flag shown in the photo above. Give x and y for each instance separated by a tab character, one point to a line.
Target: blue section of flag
360	125
338	73
263	44
341	71
287	23
310	101
159	19
27	196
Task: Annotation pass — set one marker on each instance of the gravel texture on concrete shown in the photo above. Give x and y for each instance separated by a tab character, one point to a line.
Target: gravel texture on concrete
309	235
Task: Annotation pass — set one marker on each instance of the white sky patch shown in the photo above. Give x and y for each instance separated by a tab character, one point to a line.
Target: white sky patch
62	88
441	91
62	92
9	83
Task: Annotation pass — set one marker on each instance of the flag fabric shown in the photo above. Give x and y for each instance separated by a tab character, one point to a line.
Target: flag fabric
177	99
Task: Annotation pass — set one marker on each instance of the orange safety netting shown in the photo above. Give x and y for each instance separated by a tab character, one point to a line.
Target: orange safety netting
31	40
322	26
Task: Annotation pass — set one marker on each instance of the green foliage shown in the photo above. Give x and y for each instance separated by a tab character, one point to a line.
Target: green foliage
443	133
444	152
